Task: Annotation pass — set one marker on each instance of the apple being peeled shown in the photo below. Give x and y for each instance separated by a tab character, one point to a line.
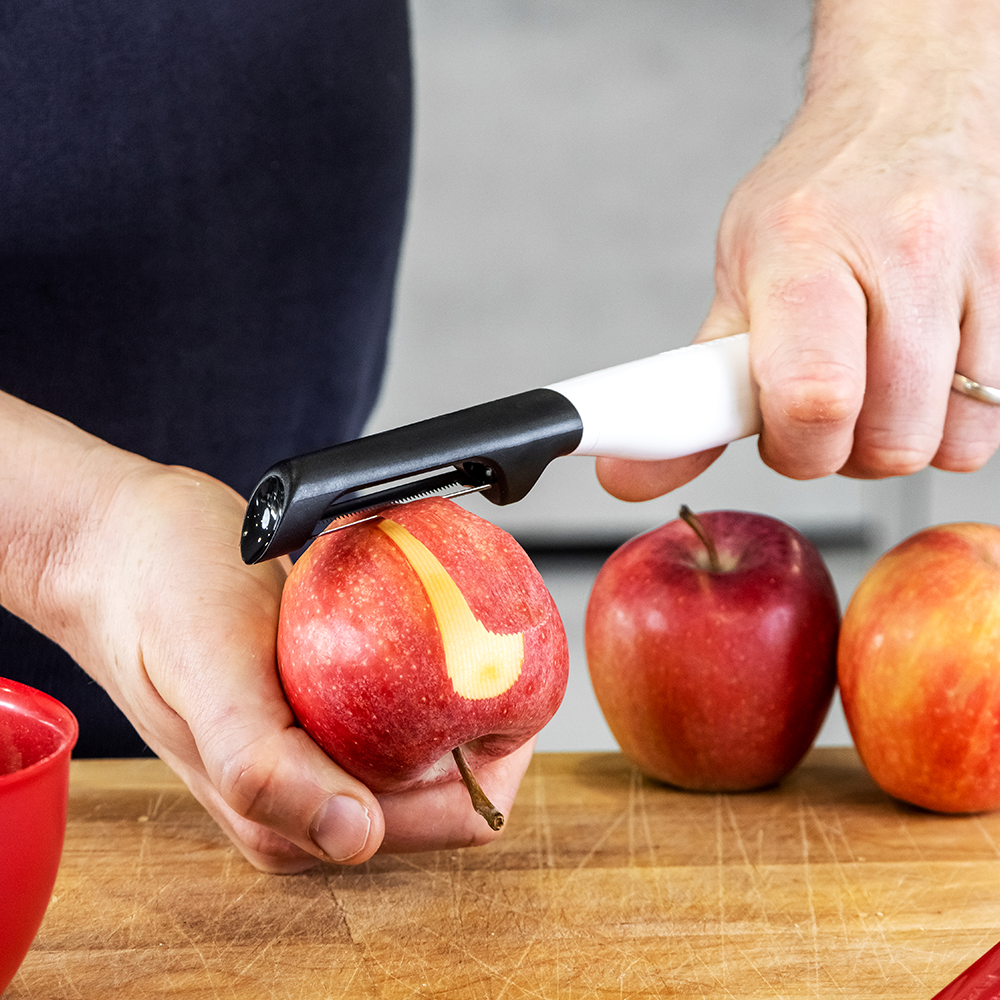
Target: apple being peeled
415	646
712	646
919	667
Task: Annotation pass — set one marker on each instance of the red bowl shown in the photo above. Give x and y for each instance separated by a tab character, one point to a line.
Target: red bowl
37	734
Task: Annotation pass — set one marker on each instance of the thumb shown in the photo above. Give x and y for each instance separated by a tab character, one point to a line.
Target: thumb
284	802
632	480
285	808
190	657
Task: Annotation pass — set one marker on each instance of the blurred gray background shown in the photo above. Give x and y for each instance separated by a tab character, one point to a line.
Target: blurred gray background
573	158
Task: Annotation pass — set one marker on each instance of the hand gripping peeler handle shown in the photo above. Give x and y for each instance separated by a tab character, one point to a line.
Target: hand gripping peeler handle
672	404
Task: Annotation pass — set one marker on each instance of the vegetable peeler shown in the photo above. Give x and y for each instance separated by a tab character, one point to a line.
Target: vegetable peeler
669	405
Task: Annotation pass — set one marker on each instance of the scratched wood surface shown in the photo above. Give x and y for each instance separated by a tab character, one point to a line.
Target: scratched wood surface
604	885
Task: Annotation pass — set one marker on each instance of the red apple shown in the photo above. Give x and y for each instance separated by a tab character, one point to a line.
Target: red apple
422	631
919	667
712	645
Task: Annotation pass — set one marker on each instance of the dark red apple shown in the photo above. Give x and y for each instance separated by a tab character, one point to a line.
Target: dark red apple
712	647
422	632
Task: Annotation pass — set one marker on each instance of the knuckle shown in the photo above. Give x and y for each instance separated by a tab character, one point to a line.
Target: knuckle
822	404
272	854
819	394
893	457
899	463
924	221
811	233
964	455
249	783
802	218
959	461
923	258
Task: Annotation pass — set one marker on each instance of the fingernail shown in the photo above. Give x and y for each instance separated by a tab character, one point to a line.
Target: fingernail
341	828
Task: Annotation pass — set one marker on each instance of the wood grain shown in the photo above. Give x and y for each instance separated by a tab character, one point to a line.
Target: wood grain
605	884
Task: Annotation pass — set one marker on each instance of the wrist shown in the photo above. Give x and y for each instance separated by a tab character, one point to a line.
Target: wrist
877	50
58	483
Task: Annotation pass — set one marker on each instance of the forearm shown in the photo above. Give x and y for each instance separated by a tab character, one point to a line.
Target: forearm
57	482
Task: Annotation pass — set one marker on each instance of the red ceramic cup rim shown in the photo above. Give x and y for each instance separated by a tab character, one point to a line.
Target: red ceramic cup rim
31	702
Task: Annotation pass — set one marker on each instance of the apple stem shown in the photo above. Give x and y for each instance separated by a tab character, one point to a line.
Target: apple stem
480	802
692	519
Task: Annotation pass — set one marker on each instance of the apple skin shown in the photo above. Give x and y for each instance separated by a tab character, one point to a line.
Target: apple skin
361	653
919	669
714	681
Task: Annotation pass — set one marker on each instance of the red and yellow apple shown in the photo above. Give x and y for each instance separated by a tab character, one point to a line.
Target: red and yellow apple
418	645
711	643
919	669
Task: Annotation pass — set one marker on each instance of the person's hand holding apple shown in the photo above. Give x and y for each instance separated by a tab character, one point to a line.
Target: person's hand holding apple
134	568
184	641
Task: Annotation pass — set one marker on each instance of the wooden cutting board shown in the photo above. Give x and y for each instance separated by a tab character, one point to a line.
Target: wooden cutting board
604	884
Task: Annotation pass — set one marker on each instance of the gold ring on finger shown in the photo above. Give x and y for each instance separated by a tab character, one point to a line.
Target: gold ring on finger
975	390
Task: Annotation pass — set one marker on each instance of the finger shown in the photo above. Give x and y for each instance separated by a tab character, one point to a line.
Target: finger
213	704
170	736
972	427
807	351
338	830
271	788
633	480
232	738
261	846
441	816
913	343
266	770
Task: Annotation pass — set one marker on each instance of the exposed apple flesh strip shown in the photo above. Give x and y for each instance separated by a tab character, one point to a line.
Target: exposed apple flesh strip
480	663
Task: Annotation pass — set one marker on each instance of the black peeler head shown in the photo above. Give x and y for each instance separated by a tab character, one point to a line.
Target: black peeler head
501	447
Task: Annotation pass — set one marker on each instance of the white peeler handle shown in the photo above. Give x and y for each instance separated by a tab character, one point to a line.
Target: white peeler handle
669	405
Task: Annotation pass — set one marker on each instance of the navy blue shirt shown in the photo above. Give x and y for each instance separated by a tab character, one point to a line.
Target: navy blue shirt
201	208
